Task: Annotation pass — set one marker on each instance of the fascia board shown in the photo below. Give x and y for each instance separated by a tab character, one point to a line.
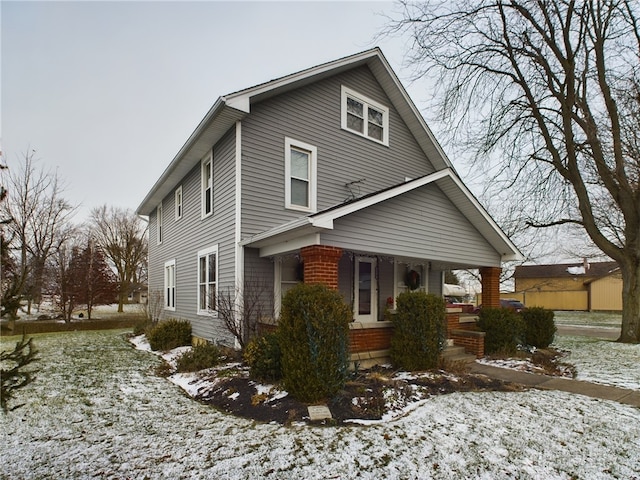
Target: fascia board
220	116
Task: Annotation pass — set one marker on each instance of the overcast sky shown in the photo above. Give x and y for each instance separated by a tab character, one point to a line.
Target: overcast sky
108	92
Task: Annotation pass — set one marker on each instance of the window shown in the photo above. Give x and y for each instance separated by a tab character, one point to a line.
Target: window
207	280
178	202
170	285
300	172
207	186
288	273
159	223
365	117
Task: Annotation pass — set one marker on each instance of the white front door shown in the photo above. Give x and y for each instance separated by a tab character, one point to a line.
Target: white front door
366	295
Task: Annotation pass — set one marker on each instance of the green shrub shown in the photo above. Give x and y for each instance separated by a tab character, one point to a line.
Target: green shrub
314	340
169	334
419	329
504	330
539	326
263	356
201	356
141	327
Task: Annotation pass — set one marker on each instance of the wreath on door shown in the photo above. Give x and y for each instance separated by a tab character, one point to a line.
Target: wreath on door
413	280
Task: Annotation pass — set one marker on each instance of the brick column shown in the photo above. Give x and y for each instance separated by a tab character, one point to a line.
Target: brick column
490	286
321	264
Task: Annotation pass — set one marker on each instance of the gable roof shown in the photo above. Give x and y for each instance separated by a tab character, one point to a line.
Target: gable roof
566	270
445	179
233	107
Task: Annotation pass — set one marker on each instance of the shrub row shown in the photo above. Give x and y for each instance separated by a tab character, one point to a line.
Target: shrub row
505	329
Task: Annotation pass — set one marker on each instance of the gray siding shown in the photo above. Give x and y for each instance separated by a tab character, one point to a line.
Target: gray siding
185	237
312	115
421	223
258	278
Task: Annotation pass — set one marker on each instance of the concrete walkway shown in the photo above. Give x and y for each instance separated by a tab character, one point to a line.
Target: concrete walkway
547	382
621	395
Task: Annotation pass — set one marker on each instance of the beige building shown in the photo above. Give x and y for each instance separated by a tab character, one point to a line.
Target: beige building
570	286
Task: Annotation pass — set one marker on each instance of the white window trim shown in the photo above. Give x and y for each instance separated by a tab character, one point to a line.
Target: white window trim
159	224
203	185
179	203
171	264
290	143
202	253
367	102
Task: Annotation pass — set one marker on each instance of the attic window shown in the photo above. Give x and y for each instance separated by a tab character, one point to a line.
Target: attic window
364	117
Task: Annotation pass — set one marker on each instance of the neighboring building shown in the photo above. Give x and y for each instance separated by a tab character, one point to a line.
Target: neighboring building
329	175
570	286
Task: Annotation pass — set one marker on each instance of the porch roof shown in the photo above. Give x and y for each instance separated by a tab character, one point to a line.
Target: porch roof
307	230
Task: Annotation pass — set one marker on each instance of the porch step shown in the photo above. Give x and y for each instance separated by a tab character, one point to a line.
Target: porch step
457	354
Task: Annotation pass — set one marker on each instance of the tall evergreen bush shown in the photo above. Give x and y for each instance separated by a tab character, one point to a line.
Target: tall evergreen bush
539	326
314	341
419	331
504	330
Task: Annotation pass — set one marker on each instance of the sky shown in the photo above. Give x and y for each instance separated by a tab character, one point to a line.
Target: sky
106	93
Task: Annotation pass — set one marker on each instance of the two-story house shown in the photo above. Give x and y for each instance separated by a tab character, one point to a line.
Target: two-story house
326	175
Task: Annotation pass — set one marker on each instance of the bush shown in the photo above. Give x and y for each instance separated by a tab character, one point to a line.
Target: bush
314	340
263	356
419	331
142	327
169	334
504	330
539	327
204	355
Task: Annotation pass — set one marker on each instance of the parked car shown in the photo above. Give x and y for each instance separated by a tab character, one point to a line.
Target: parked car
512	304
509	303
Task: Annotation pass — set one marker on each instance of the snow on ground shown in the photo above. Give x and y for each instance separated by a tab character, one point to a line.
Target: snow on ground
589	319
97	411
602	361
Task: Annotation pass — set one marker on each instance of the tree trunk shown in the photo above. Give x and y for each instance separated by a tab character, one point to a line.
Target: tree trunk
630	331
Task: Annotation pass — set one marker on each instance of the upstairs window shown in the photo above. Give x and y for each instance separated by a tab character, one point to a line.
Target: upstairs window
178	202
159	221
364	117
207	186
300	173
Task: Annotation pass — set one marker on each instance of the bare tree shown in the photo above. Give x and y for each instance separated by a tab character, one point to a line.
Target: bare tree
40	221
123	238
243	307
155	305
551	90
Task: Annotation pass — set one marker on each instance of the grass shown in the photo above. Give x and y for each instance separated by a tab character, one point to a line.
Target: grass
592	319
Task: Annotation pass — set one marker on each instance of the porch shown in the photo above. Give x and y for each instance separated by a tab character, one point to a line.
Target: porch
370	284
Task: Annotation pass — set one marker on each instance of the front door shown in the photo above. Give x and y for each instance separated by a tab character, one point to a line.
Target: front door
366	295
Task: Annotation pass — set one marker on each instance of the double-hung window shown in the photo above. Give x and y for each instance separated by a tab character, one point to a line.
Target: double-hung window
300	173
170	285
178	202
159	223
207	185
364	116
207	280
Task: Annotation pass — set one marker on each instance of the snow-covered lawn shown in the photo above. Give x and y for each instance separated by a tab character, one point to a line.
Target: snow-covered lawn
97	411
588	319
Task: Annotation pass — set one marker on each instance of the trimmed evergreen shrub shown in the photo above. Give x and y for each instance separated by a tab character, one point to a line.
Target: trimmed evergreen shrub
314	340
169	334
539	326
504	330
201	356
419	331
263	356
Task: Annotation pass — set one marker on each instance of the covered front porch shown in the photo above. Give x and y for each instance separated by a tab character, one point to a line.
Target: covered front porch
376	247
